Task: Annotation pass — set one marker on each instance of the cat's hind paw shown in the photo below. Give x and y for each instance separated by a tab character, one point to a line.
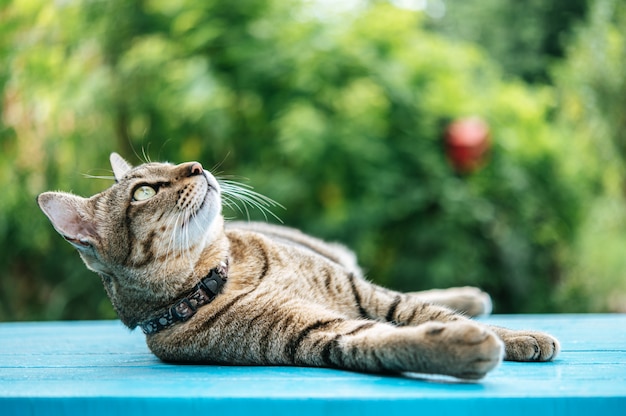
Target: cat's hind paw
477	302
468	300
530	346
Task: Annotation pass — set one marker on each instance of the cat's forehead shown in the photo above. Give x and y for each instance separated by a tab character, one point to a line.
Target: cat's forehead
150	171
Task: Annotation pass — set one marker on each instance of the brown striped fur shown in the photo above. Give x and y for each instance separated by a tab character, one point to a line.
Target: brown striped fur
290	299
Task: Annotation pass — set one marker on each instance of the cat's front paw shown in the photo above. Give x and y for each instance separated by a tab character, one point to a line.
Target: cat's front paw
529	346
464	349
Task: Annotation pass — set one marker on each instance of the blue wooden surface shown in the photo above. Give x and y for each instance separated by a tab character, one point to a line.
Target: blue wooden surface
101	368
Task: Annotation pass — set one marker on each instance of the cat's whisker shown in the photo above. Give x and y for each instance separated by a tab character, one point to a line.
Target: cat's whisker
196	221
234	187
184	236
107	177
227	203
232	205
218	165
233	192
171	229
232	202
169	234
259	201
145	155
258	205
187	241
179	235
188	222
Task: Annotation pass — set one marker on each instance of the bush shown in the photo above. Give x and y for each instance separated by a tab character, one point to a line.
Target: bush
340	120
592	100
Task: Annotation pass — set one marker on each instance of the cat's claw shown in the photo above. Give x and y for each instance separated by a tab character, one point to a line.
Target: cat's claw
528	345
531	346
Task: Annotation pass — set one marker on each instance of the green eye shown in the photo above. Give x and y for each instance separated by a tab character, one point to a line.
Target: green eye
144	192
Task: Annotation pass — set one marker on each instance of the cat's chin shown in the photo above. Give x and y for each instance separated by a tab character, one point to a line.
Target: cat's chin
206	218
212	182
214	229
211	207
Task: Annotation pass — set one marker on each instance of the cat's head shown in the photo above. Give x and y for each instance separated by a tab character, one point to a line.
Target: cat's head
148	235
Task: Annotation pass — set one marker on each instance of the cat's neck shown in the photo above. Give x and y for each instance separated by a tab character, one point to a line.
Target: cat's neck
135	303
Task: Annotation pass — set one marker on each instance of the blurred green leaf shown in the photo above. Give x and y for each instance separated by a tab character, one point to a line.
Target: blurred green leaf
340	118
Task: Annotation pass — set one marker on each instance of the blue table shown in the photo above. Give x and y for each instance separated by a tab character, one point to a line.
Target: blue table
101	368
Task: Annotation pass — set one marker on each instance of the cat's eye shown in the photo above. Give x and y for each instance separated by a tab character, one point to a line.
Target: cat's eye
144	192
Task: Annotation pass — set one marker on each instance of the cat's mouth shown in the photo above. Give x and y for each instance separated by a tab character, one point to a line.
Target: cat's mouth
212	183
198	199
207	199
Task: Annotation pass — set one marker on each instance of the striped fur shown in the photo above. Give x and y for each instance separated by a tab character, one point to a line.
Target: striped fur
290	299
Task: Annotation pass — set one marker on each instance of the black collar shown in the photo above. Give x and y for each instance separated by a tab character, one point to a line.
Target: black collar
184	308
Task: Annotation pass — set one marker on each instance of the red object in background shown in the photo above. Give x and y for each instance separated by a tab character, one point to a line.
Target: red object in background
467	144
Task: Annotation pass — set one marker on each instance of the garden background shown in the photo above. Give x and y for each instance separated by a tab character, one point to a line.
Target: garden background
335	109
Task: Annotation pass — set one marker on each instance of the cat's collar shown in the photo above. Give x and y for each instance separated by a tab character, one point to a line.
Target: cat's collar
184	308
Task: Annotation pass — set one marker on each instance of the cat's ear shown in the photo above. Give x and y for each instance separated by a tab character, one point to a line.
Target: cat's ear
70	216
119	165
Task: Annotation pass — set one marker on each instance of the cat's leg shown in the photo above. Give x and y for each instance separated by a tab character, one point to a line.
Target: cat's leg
461	349
294	332
468	300
375	302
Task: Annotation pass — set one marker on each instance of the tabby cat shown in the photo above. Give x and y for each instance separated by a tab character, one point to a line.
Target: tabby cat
207	291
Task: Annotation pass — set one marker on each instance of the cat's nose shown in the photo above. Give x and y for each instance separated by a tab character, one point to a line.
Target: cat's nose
195	169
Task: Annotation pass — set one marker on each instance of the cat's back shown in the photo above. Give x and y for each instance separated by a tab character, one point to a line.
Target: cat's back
295	242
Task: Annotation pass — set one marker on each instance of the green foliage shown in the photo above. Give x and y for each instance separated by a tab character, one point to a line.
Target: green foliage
525	37
338	118
592	98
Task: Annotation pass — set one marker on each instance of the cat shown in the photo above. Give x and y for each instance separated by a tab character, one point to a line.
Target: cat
205	290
